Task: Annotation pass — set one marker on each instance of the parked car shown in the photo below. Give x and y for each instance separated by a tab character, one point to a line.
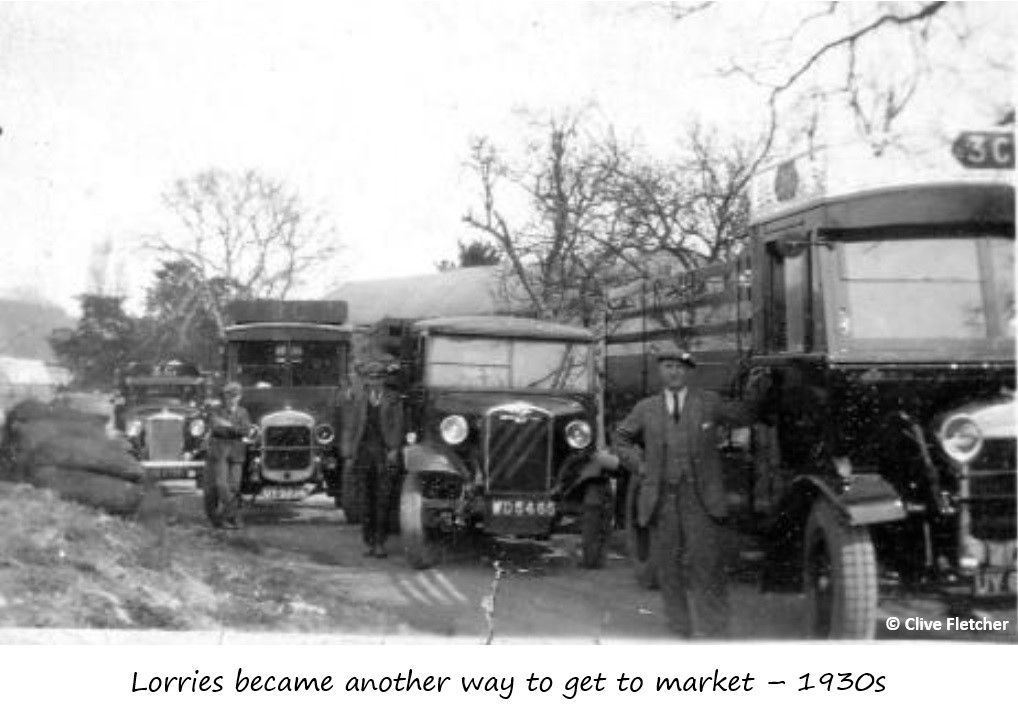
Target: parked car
159	409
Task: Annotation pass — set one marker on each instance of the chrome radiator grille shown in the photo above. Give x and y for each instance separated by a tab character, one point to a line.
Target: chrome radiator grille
164	437
287	447
993	491
518	452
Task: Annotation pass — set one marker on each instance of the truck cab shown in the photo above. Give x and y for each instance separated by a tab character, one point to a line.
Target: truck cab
501	433
158	407
291	358
878	294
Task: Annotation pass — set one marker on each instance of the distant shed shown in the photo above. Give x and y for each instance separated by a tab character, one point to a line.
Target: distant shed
461	292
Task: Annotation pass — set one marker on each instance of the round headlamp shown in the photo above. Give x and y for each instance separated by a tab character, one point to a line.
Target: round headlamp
134	428
578	434
196	428
961	438
324	434
454	429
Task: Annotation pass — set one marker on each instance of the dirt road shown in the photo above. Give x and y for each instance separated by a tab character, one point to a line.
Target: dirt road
495	590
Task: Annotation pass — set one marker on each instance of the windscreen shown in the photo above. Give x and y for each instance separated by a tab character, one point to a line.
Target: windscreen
947	288
289	363
166	392
469	362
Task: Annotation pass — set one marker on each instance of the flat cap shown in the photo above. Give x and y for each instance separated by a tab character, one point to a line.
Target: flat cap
670	351
232	388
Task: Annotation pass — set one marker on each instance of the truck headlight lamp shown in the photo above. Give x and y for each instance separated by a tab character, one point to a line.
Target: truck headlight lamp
578	434
961	438
454	429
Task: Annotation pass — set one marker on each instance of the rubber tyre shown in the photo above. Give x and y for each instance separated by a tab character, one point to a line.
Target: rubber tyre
839	576
639	542
595	522
413	534
350	497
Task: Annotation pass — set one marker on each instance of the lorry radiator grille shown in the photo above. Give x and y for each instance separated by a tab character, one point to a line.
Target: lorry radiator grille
518	452
286	447
286	459
164	437
288	436
994	491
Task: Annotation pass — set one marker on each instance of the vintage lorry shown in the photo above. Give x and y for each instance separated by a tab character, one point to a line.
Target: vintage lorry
877	292
159	408
292	360
501	432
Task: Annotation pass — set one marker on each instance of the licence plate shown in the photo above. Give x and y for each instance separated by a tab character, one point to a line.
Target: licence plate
271	493
524	508
995	582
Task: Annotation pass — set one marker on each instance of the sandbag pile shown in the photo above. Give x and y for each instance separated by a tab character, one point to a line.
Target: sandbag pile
69	452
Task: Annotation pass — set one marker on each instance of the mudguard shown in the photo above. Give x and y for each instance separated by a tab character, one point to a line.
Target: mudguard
425	458
864	499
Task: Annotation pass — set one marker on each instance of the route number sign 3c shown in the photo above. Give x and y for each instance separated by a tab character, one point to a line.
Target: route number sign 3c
985	150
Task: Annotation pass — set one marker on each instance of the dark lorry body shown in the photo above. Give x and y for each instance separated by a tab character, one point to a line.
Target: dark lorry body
292	360
885	320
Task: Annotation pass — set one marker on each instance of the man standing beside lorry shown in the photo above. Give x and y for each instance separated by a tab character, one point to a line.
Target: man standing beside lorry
373	441
669	441
229	424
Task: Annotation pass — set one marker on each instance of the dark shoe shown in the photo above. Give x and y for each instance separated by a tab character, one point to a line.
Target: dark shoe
380	552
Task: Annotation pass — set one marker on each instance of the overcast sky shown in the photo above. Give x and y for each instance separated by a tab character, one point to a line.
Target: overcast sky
366	109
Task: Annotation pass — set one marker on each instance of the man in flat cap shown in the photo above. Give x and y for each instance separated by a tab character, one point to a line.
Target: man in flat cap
669	443
373	438
229	425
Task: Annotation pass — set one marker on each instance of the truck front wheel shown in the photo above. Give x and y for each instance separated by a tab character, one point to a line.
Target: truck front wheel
840	576
413	530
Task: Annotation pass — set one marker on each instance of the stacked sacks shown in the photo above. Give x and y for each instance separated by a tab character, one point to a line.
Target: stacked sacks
68	451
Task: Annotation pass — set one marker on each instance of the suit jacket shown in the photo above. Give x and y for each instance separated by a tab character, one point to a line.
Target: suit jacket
391	417
640	444
227	434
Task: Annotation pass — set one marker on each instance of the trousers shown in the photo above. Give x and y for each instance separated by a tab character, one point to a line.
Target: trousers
222	494
690	556
376	500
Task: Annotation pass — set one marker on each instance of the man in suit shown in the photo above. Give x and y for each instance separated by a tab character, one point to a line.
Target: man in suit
373	439
229	425
669	441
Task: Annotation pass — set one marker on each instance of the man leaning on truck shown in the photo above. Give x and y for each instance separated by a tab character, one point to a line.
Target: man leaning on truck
669	441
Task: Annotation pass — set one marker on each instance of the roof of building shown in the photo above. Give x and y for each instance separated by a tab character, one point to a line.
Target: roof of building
507	326
458	292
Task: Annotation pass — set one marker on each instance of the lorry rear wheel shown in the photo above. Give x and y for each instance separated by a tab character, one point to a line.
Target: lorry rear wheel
840	576
639	542
413	532
595	524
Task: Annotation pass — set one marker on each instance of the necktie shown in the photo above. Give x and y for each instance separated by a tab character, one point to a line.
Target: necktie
675	406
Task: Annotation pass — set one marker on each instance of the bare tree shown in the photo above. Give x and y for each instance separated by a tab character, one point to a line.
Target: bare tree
694	209
547	216
246	232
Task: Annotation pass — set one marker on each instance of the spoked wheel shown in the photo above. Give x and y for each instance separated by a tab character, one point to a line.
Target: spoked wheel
840	577
639	542
413	530
595	524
